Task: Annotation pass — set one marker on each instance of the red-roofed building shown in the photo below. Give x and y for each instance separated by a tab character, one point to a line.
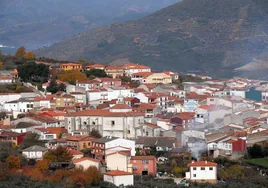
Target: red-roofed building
79	142
144	165
119	178
12	137
6	80
76	154
95	66
132	68
202	171
108	122
209	113
71	66
115	71
140	76
119	160
86	162
109	82
174	75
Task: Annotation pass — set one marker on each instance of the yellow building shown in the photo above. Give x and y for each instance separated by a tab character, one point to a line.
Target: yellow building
158	78
64	100
71	66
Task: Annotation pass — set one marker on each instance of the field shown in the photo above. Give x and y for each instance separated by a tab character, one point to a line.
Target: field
259	162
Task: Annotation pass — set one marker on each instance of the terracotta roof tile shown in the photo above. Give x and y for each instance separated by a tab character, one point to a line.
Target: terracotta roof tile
142	158
85	159
107	113
120	106
202	163
117	173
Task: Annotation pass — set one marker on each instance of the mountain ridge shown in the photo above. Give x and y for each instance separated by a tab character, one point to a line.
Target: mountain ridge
192	34
39	23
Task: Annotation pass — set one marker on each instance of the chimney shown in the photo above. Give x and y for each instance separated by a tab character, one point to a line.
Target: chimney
206	162
192	161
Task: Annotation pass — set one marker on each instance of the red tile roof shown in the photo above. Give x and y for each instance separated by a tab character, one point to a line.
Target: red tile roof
75	152
117	173
186	115
202	163
5	78
70	64
107	113
135	66
95	66
80	138
151	125
213	107
85	159
145	106
138	90
120	106
143	158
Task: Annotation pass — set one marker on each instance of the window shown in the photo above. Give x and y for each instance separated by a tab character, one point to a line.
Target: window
194	175
112	123
203	168
128	131
145	161
194	168
210	168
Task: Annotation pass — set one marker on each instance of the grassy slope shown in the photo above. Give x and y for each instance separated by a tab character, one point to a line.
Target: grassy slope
260	162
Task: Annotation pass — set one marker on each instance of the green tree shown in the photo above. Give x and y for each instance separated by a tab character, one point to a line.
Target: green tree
62	87
96	73
81	60
53	86
30	71
255	151
20	52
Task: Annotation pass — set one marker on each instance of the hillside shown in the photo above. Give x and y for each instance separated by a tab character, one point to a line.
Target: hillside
190	35
35	23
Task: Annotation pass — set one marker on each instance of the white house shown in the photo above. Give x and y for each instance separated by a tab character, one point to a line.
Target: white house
34	152
119	160
202	171
132	68
21	105
164	124
107	94
86	162
209	113
7	97
107	122
6	80
118	178
120	144
44	121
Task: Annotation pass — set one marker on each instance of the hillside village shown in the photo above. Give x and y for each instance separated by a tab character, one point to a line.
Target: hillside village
134	121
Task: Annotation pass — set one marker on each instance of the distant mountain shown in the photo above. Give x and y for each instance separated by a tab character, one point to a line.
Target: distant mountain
191	35
35	23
